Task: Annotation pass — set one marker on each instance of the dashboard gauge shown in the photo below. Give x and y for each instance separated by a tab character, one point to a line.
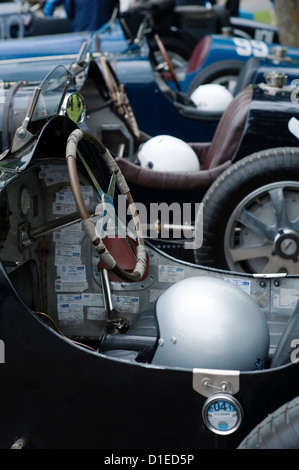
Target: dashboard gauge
24	202
222	414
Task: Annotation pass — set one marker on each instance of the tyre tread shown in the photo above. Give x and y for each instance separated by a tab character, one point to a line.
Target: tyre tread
279	430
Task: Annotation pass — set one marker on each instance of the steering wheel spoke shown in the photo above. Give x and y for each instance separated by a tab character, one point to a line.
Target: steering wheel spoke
111	189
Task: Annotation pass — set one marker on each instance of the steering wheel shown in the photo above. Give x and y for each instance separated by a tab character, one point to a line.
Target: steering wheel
88	225
119	97
167	60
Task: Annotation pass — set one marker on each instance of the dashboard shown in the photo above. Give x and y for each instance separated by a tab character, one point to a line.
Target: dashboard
44	249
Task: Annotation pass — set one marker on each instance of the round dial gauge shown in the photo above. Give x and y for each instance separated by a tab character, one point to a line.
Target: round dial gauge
24	201
222	414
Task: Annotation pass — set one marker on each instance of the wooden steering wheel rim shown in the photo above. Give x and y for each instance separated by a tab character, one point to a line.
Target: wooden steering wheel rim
167	60
119	97
105	256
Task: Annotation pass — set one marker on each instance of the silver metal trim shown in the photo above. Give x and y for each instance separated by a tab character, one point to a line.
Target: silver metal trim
207	382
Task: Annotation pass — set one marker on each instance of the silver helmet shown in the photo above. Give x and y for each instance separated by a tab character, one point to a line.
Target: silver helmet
209	323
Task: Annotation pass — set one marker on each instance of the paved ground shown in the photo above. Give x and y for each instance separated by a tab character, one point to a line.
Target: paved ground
253	5
256	5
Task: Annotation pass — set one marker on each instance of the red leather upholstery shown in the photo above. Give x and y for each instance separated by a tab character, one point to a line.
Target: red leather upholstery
197	57
229	130
214	156
144	177
199	54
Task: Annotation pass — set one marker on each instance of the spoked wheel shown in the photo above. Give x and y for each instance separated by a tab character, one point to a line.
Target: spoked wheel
250	215
88	225
119	97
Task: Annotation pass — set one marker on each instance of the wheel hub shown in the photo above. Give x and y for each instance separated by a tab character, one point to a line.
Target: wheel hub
287	246
262	232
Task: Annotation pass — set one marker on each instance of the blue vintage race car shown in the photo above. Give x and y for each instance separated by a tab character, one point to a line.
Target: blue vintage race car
158	108
231	51
109	345
149	87
175	21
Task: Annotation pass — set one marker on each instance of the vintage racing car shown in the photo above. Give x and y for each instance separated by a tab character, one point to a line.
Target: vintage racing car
107	343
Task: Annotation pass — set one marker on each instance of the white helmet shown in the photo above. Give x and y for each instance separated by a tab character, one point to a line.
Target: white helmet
214	98
209	323
167	153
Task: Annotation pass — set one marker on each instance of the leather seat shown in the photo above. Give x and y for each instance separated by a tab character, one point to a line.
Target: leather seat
197	57
199	54
214	157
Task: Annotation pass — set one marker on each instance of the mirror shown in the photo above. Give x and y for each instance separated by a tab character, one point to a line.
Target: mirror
74	108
